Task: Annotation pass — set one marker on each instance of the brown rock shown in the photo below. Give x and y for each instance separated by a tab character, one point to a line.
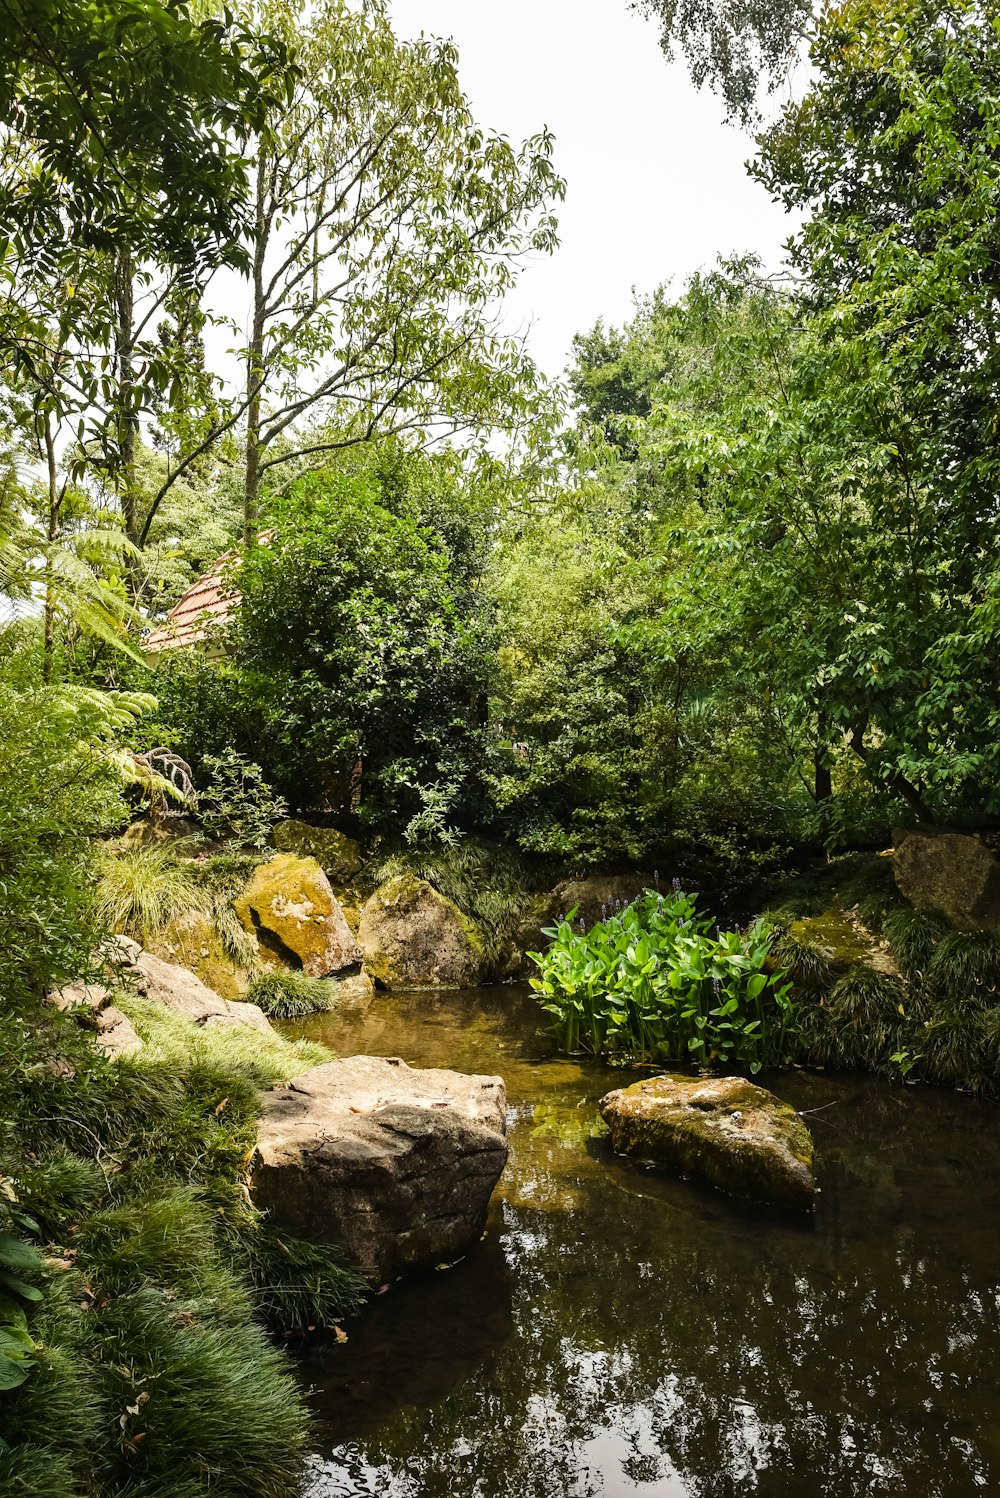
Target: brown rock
89	997
296	917
413	937
116	1035
391	1163
185	993
949	872
724	1130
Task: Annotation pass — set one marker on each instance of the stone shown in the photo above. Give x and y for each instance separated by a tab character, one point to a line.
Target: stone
337	855
291	908
91	998
413	937
952	873
185	993
392	1163
190	940
594	896
723	1130
116	1035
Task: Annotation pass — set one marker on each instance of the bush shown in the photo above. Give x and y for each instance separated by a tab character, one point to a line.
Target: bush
290	995
237	801
652	983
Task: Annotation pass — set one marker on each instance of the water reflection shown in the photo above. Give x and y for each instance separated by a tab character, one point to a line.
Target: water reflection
620	1333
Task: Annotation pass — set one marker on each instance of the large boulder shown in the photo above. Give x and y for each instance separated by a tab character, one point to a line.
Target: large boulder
184	992
393	1164
337	855
291	908
190	940
949	872
597	896
723	1130
413	937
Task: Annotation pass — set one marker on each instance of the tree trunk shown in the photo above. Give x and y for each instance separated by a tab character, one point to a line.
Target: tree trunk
52	534
255	364
127	421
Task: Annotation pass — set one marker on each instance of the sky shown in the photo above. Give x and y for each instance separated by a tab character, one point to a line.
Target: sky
657	186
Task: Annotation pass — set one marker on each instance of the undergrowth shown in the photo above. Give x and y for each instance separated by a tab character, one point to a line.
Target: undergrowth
139	889
152	1371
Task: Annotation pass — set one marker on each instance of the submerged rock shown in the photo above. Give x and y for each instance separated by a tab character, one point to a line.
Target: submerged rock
337	855
413	937
291	908
949	872
394	1164
724	1130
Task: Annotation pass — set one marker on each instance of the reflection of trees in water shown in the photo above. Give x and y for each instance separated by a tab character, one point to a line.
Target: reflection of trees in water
657	1338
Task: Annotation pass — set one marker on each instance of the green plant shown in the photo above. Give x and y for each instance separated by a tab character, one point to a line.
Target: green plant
913	936
653	982
17	1258
220	879
237	801
289	995
965	967
140	888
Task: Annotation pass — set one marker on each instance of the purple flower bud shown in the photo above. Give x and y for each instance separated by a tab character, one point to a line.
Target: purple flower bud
716	985
676	883
583	924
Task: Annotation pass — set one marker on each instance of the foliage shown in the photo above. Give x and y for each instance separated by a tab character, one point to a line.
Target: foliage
219	879
653	983
362	655
289	995
237	802
142	887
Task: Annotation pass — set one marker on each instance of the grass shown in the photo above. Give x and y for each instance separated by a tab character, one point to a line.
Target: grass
809	969
290	995
140	889
912	936
220	880
156	1376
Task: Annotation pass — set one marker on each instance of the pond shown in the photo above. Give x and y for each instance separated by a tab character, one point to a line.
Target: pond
623	1333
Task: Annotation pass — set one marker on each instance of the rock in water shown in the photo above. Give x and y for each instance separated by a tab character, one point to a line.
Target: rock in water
337	855
724	1130
413	937
949	872
296	917
392	1163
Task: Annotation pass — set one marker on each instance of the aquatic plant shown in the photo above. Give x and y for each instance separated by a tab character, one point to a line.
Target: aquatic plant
283	994
658	980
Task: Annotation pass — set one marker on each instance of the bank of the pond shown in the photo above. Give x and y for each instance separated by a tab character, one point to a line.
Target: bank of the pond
619	1332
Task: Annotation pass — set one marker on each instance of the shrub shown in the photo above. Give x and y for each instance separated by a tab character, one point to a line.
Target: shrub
237	801
290	995
653	983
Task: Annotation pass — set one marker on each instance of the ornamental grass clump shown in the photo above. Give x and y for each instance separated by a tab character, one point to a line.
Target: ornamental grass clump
659	981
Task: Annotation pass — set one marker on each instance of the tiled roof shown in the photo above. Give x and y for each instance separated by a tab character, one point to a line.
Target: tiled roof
206	605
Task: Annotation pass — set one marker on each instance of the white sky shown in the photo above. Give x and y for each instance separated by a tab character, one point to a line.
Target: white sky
657	186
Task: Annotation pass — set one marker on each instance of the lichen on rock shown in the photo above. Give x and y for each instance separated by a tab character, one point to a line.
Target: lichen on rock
724	1130
291	908
414	937
337	854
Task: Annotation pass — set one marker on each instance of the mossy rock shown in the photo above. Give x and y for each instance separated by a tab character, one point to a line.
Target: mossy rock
337	855
723	1130
835	937
191	941
290	907
414	937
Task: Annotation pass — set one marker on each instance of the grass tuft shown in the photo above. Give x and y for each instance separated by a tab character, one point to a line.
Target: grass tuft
140	889
290	995
913	936
965	965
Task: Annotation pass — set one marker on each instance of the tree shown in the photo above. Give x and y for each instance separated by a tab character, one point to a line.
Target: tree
387	227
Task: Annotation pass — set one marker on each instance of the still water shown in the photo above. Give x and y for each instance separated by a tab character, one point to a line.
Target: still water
619	1333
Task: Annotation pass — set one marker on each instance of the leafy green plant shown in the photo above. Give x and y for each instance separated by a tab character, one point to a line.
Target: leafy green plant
653	983
237	802
220	879
289	995
139	889
17	1258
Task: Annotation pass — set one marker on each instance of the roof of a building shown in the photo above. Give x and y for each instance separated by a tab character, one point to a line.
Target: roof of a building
200	611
